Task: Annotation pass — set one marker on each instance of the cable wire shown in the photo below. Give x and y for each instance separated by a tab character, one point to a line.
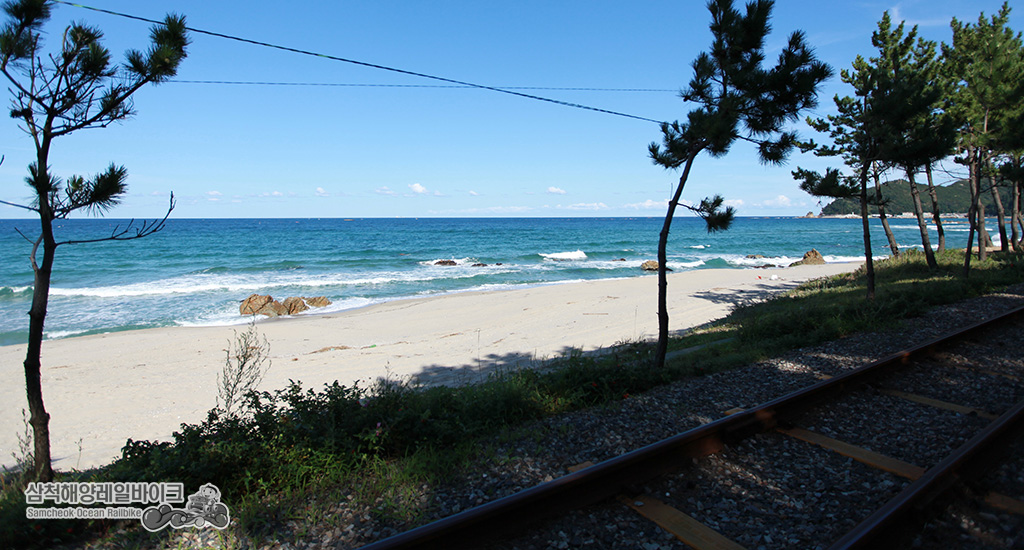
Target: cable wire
365	64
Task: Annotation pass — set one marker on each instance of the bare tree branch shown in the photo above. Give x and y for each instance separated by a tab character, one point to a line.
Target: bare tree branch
130	231
20	206
24	236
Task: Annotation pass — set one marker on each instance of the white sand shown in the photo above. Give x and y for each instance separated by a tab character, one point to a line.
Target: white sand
104	389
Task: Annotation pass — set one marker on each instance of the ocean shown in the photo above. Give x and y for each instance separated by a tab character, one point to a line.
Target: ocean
195	272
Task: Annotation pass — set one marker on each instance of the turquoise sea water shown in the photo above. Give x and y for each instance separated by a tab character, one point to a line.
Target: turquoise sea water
196	272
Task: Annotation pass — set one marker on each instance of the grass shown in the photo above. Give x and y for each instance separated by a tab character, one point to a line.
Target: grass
292	451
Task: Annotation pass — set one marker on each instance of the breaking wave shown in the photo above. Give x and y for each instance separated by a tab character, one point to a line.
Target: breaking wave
577	256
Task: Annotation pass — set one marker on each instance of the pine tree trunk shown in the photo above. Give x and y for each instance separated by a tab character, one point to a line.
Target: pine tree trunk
1004	245
893	245
972	184
929	254
869	264
39	419
984	240
1015	218
662	349
935	208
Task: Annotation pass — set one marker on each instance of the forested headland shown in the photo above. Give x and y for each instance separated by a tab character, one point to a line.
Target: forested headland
954	198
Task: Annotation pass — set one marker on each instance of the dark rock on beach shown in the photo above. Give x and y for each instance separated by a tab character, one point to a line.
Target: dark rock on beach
317	301
445	262
651	265
294	305
812	257
257	304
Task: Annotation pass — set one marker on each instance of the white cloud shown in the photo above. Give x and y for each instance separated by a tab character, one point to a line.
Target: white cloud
385	191
782	201
735	203
418	189
586	206
270	194
474	193
648	204
213	195
320	192
556	191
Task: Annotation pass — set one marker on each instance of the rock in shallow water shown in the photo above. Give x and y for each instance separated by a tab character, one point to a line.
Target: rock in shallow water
812	257
257	304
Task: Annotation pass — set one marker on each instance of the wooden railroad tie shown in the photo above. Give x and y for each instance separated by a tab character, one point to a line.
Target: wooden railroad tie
682	526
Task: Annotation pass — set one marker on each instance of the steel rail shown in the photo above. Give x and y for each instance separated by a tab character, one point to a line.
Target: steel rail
600	481
893	523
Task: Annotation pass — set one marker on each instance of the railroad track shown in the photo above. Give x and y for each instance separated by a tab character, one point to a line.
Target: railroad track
941	423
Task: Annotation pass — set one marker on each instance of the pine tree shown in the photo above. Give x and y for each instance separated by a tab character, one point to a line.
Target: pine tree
55	95
912	134
986	65
736	98
854	139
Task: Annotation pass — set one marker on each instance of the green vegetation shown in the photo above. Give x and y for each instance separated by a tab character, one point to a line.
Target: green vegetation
287	454
954	198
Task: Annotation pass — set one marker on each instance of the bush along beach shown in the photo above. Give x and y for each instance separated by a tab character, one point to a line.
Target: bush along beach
280	451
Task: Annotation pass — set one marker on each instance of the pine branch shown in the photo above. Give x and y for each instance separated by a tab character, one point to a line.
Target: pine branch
710	210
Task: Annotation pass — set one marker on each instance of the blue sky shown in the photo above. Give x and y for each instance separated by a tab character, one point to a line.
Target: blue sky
234	150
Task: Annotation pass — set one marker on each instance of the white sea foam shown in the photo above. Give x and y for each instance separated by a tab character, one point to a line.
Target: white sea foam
208	283
679	266
58	334
845	259
759	262
613	264
576	256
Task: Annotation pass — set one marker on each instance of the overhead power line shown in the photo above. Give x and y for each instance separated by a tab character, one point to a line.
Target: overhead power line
370	65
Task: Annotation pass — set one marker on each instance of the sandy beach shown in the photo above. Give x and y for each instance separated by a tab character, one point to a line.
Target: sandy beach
101	390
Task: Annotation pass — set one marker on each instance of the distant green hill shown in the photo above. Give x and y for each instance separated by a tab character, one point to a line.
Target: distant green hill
954	198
